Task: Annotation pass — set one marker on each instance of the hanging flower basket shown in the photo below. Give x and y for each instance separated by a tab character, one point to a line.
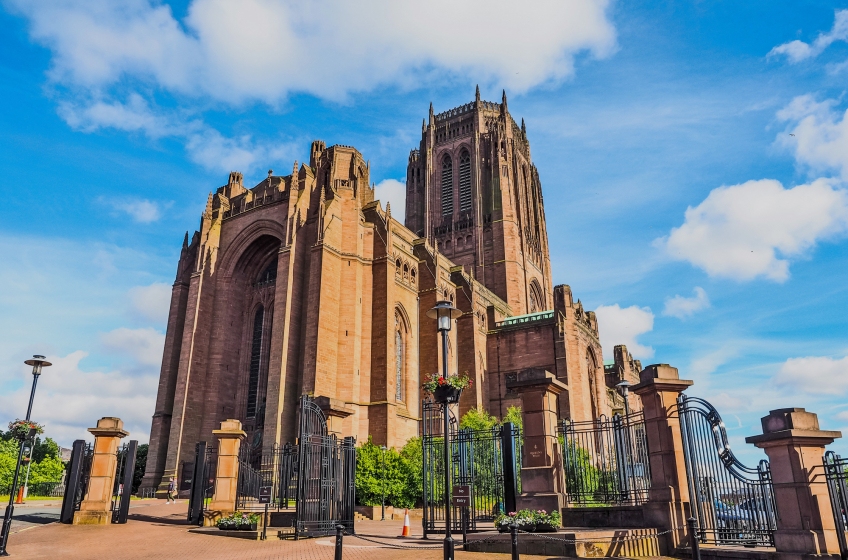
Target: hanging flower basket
447	389
19	429
447	394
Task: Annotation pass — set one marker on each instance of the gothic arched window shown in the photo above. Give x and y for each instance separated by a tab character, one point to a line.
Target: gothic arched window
537	299
400	357
464	181
447	186
255	362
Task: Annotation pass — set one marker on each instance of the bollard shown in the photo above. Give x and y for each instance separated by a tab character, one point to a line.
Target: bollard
514	530
693	538
339	533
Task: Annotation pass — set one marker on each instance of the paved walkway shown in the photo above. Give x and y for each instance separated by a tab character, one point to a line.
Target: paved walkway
158	531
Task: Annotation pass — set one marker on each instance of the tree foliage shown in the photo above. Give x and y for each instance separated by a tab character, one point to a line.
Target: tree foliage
140	465
395	473
46	466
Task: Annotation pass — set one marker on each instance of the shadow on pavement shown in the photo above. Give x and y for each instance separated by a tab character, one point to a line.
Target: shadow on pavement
157	520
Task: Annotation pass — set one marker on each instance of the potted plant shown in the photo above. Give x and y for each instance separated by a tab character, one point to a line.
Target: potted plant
238	521
529	521
447	389
19	429
547	522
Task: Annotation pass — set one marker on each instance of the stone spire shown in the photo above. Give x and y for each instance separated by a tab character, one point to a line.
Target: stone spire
477	95
504	108
432	114
523	128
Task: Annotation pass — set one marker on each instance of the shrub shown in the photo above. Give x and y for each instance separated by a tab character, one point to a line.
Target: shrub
398	474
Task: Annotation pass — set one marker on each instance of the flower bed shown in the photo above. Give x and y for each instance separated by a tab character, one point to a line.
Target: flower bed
239	521
529	521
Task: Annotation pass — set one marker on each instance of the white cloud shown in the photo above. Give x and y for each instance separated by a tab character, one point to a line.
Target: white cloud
144	346
796	51
394	192
753	229
152	302
623	325
141	211
817	375
820	132
264	49
682	307
69	399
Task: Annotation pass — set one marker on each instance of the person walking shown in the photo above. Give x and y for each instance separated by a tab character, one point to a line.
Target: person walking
172	486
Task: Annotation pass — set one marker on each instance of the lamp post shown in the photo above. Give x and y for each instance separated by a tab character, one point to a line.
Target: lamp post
445	313
383	480
624	389
37	362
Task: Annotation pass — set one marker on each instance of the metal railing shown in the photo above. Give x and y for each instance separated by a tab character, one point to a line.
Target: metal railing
606	460
733	503
836	474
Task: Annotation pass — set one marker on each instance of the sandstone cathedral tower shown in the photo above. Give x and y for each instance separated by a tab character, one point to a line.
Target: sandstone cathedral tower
304	284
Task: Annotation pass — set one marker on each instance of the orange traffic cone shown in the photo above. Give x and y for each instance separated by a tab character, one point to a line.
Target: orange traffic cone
407	530
20	497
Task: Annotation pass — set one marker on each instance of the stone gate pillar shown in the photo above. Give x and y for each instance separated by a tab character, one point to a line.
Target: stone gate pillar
542	480
226	471
795	447
97	505
668	501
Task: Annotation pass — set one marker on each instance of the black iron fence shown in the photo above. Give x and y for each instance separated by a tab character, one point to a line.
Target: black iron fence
606	460
314	479
76	480
733	503
276	469
836	474
488	461
122	490
202	483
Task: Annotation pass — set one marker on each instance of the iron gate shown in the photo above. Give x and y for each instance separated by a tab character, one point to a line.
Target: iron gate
76	483
202	481
276	468
732	503
489	461
315	478
836	474
122	489
606	460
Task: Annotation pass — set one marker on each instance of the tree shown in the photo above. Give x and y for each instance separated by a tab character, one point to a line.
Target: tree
44	449
477	419
140	466
390	471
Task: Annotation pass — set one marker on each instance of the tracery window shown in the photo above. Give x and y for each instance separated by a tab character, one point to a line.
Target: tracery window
464	181
537	299
447	186
400	357
255	362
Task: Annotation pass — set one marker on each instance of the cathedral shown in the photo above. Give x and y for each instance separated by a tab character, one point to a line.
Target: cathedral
305	284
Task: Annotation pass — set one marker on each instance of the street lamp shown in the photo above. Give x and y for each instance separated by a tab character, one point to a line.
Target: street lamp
37	362
383	479
624	389
445	313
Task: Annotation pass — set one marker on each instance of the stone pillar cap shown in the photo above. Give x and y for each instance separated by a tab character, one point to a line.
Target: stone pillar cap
230	428
792	423
661	374
109	426
534	378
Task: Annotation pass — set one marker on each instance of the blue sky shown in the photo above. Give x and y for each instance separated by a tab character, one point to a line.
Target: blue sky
693	158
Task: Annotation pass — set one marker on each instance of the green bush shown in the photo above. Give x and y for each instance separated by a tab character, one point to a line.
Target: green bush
398	474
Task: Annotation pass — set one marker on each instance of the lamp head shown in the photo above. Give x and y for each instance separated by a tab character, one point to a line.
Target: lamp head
444	313
37	362
624	388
